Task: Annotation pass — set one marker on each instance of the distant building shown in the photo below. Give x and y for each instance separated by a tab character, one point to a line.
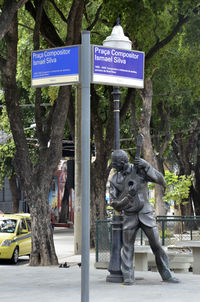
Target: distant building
58	185
63	181
6	199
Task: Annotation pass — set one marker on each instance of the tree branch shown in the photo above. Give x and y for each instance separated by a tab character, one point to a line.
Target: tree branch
74	22
59	117
58	11
47	29
159	44
96	18
9	9
125	106
38	18
25	26
9	85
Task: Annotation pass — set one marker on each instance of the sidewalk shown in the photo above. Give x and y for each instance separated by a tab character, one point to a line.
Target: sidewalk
24	283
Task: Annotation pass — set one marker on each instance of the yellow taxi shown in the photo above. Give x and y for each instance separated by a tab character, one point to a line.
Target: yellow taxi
15	236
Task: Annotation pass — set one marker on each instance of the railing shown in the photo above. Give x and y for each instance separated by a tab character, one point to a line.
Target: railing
172	229
186	224
103	240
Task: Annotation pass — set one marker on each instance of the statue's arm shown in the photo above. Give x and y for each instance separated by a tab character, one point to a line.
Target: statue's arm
118	201
151	173
156	177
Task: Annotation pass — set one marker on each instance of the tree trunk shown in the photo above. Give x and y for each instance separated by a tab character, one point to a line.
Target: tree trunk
16	193
9	10
35	180
99	168
43	250
148	153
183	147
195	190
98	197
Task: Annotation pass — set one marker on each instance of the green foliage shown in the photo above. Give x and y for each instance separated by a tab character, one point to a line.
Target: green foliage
178	188
151	187
167	233
152	201
7	150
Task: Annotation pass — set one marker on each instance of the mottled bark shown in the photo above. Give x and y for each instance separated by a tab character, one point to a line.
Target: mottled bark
195	190
16	193
8	12
187	151
99	177
148	153
43	250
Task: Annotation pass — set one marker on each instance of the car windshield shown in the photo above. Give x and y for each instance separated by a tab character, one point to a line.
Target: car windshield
7	225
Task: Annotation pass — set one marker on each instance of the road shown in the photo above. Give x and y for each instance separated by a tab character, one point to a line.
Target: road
64	245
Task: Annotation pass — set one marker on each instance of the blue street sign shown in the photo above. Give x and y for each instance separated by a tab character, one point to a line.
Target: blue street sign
53	67
118	67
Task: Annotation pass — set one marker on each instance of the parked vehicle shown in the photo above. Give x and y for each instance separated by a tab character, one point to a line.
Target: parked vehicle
15	236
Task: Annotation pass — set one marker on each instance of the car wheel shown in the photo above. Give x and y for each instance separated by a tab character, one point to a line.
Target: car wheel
15	256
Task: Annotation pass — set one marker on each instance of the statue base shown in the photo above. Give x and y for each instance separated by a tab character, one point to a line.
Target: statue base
115	278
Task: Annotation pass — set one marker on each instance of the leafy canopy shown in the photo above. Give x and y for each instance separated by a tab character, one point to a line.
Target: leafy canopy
178	188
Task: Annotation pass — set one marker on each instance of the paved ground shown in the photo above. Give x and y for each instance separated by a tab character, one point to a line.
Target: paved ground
34	284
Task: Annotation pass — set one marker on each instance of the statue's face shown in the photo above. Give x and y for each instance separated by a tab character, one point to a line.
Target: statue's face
117	165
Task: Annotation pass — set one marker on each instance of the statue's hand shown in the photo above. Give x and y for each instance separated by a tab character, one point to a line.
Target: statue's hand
141	163
115	205
132	192
122	204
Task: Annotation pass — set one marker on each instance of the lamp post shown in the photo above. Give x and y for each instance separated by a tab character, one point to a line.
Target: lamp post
117	39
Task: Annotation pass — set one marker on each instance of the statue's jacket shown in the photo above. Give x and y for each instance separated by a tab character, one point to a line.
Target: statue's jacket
129	193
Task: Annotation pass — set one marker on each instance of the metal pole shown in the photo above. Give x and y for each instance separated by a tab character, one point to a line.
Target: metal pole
163	232
85	161
78	187
117	219
116	98
141	238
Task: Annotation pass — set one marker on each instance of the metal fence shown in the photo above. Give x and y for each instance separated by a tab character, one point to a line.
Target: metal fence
172	229
103	240
176	228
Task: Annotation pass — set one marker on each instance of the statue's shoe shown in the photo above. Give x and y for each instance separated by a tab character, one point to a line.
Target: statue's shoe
172	280
128	282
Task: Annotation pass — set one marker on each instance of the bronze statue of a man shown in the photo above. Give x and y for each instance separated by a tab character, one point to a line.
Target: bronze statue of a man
129	193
